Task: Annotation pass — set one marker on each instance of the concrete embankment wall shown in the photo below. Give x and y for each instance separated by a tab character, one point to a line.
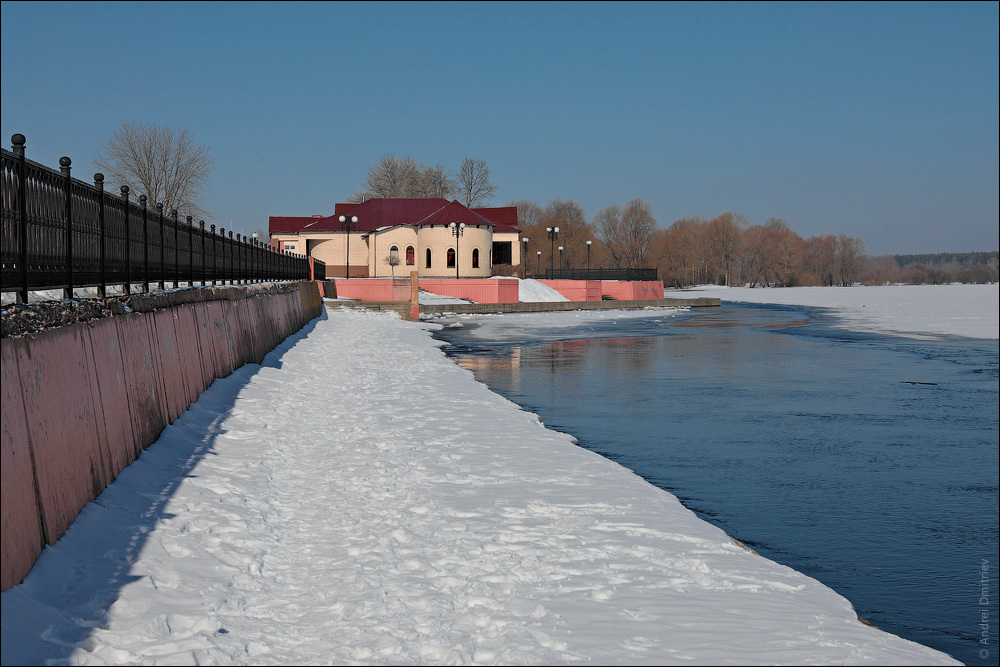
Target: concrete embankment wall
81	401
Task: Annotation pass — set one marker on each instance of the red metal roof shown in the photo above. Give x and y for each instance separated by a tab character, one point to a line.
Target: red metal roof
505	217
376	213
454	212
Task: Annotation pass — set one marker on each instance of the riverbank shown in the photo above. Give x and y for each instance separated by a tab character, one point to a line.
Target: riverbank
380	506
915	311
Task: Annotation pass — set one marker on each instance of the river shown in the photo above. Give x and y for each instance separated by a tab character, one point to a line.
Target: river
868	462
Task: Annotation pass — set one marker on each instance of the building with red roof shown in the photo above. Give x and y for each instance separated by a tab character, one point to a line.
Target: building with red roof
392	237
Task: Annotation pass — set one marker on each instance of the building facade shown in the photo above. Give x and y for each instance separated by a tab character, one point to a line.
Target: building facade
393	237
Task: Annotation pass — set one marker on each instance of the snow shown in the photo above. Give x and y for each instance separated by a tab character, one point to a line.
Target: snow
379	506
429	298
531	290
928	311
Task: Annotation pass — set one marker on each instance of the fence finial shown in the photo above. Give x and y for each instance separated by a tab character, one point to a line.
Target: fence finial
64	164
17	144
99	181
142	200
124	190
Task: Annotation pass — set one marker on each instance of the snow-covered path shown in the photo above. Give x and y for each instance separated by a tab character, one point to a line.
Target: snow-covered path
359	498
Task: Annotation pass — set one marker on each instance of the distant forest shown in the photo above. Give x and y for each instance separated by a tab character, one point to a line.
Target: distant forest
949	261
945	267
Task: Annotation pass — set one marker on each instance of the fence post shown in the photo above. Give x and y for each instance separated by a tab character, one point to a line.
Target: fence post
163	251
222	233
64	167
17	145
233	271
102	289
127	288
190	221
215	261
145	243
204	262
177	247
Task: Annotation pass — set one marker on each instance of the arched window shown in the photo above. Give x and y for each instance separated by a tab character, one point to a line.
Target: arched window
411	256
428	258
475	258
451	258
394	255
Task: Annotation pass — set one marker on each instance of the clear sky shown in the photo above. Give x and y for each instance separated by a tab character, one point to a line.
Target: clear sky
875	120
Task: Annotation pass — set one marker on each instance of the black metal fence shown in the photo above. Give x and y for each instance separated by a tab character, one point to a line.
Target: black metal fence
62	233
602	274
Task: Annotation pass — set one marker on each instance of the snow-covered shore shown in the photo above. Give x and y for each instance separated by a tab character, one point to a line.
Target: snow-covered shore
972	311
371	503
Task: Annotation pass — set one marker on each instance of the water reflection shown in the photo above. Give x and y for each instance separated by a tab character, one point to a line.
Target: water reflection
866	462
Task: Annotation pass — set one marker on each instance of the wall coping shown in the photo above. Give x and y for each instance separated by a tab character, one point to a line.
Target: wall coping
31	319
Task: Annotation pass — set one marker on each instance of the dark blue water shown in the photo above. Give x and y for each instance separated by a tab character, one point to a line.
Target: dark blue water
865	461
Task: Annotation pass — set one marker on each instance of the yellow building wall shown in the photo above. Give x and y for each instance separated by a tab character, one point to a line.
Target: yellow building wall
439	239
380	245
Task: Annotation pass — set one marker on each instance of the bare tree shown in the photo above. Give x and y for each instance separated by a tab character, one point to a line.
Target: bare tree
392	259
405	177
608	227
165	164
574	231
474	182
638	233
529	214
435	182
391	177
722	243
683	260
850	259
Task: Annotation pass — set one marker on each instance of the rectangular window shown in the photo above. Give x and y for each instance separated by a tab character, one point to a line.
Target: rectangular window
502	253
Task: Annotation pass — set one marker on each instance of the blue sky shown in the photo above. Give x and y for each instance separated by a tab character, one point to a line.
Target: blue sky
875	120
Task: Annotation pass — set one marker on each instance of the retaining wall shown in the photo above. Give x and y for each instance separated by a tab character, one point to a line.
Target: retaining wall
576	290
81	401
479	290
373	289
632	290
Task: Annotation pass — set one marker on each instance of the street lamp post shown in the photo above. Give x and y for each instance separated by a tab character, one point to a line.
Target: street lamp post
524	256
348	223
561	266
457	230
553	233
538	263
588	259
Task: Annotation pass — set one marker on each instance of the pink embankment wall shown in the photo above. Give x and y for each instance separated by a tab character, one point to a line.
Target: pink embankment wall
593	290
374	289
576	290
81	402
635	290
478	290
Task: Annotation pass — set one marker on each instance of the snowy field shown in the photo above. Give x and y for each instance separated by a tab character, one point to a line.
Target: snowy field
929	311
377	505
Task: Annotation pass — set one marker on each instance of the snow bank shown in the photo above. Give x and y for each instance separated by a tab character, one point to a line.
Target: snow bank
380	506
427	299
533	290
972	311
